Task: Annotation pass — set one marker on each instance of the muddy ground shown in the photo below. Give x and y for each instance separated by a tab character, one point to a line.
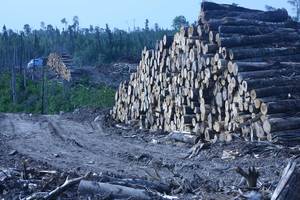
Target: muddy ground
89	141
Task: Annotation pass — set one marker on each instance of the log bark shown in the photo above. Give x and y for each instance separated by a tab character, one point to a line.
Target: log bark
289	184
284	106
279	15
281	124
246	30
268	82
261	66
90	188
183	137
237	41
284	91
273	73
239	54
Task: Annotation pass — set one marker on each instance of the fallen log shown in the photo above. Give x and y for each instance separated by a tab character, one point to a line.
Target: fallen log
289	185
90	188
141	184
183	137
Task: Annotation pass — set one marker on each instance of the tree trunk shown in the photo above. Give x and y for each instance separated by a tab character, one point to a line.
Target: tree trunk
13	79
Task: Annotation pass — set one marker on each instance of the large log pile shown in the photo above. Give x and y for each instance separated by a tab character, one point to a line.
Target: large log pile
236	71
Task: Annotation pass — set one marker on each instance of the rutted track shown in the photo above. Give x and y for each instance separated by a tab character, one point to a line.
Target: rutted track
66	143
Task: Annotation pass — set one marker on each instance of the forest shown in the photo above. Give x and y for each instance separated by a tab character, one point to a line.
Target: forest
93	46
88	46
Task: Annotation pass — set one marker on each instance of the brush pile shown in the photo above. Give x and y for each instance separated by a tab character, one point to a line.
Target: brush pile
236	71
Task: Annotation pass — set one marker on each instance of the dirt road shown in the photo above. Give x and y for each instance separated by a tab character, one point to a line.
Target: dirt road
68	144
73	143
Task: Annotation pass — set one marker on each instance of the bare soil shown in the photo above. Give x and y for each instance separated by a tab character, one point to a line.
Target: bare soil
89	141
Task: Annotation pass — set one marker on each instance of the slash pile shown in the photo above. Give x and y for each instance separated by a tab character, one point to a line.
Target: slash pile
236	71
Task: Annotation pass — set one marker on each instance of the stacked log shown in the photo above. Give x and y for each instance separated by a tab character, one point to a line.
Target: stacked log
236	71
56	63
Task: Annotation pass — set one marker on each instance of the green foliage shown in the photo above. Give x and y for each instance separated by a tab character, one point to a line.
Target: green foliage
179	21
29	101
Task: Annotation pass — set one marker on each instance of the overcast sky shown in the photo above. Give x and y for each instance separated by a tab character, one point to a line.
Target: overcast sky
117	13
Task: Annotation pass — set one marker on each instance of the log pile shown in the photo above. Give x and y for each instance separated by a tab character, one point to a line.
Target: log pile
57	64
235	71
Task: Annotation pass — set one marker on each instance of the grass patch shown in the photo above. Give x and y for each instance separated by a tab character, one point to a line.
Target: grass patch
60	97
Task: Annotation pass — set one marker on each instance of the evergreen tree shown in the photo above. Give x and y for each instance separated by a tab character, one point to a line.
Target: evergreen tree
179	21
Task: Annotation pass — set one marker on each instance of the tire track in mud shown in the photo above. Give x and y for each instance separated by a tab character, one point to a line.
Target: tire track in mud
69	144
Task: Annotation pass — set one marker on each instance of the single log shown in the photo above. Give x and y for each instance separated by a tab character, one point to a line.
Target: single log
289	184
261	66
279	15
239	54
90	188
284	106
206	6
139	183
281	124
284	58
268	74
246	30
278	91
214	24
237	41
277	81
183	137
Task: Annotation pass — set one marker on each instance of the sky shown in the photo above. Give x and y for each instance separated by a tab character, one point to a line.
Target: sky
117	13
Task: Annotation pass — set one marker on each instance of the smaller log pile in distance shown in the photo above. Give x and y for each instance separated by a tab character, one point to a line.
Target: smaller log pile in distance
236	71
56	63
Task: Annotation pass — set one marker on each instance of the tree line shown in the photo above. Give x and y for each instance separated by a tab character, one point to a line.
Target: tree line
88	46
